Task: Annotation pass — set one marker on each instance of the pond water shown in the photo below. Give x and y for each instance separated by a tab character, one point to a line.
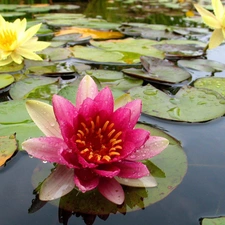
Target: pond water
200	194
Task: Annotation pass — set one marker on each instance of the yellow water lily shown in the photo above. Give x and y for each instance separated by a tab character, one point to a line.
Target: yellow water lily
216	22
17	43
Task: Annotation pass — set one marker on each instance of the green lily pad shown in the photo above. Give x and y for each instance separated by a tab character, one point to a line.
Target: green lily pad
159	70
202	65
25	86
6	80
213	83
164	169
189	104
52	54
23	131
213	221
12	67
13	112
8	147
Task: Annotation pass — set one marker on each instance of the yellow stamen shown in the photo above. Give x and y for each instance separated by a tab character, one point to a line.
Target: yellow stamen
106	158
81	132
83	125
118	134
80	142
114	153
105	125
97	121
111	126
92	126
116	142
85	151
111	133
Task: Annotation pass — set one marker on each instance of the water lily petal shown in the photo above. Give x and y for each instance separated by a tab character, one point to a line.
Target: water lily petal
65	113
121	118
135	108
105	101
6	61
111	190
43	116
28	54
216	38
129	169
85	179
148	181
86	89
107	170
46	148
29	33
59	183
34	45
218	8
152	147
88	109
208	18
16	58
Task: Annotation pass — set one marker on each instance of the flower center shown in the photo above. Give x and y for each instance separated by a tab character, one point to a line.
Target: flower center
98	141
7	38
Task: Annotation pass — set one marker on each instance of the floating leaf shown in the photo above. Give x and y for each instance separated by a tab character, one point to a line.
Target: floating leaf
189	104
12	67
8	146
6	80
213	221
25	86
159	70
202	65
213	83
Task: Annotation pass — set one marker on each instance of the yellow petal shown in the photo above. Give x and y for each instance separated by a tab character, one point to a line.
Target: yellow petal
6	61
218	8
208	18
216	38
16	58
36	46
30	33
28	54
43	116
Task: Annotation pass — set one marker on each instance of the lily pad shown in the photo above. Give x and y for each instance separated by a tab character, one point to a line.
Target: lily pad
159	70
189	104
6	80
12	67
8	147
202	65
213	221
164	168
25	86
213	83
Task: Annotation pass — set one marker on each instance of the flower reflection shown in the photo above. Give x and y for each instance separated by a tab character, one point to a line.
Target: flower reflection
95	144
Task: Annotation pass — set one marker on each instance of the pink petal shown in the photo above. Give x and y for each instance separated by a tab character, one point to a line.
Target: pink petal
46	148
111	190
152	147
59	183
147	181
107	170
132	170
88	109
135	107
121	118
85	179
65	112
86	89
105	100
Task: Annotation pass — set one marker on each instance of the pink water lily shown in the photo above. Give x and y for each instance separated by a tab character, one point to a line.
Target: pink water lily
94	143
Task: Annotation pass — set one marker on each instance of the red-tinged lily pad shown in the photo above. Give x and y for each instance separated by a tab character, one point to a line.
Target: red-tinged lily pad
202	65
163	167
6	80
8	147
213	83
189	104
23	87
159	70
213	221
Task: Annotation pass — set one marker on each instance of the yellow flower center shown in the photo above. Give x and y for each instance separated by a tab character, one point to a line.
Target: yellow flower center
98	141
7	39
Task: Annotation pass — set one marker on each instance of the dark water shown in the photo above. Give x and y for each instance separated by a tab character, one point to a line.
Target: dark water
201	193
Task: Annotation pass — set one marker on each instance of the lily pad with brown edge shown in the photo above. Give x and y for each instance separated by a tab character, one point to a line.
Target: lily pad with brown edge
213	83
23	87
165	170
213	221
23	131
202	65
87	32
6	80
190	104
115	79
159	70
8	147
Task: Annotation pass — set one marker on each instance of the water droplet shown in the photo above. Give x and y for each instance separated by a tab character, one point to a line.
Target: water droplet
222	102
30	156
201	103
174	101
174	112
44	161
150	92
